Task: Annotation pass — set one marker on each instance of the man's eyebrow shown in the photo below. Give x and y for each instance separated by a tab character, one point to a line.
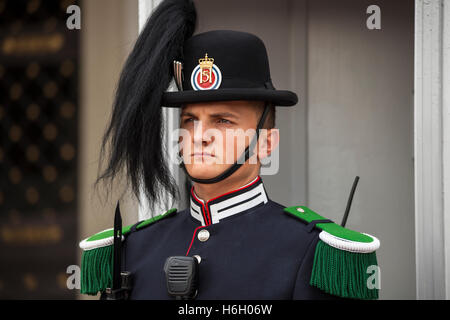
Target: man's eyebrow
212	115
188	114
223	115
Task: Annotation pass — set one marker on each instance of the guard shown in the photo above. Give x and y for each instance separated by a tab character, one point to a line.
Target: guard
233	241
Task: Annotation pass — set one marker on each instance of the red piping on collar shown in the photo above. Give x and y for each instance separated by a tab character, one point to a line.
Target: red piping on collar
203	207
208	221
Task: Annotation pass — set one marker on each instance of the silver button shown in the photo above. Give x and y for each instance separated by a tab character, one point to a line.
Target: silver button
199	259
300	210
203	235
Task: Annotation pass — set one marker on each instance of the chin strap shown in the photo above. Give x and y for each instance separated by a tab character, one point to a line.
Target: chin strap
242	159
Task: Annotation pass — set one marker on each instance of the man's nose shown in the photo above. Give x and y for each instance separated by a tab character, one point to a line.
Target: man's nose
202	136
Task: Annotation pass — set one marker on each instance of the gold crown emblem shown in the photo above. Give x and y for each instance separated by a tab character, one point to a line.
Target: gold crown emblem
206	63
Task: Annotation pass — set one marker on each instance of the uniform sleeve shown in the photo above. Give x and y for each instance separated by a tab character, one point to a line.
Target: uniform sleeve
303	290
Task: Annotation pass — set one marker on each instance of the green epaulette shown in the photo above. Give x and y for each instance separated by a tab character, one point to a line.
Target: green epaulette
343	258
97	257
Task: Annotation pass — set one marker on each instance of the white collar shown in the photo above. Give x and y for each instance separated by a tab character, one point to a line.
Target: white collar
233	202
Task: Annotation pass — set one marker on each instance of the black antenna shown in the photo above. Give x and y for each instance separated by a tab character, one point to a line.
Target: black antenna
117	249
349	202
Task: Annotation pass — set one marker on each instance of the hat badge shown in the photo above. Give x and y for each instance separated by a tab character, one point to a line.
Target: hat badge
207	75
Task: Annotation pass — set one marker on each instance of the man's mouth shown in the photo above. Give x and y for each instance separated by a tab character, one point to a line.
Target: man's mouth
202	154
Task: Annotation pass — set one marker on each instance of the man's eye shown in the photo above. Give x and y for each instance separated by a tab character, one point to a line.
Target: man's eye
224	121
188	120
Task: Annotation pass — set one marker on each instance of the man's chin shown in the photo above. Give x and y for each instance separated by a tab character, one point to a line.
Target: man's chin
203	171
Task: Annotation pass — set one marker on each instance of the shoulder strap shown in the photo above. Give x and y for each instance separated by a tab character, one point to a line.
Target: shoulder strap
343	260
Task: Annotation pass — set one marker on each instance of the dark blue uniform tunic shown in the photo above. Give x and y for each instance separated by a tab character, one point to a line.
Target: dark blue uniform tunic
255	250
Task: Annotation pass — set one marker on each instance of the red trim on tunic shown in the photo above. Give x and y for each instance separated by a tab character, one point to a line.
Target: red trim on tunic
192	241
207	219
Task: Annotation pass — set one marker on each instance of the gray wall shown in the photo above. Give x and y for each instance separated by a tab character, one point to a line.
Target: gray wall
355	115
360	122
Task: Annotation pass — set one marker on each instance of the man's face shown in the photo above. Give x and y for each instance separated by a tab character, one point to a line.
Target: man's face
217	135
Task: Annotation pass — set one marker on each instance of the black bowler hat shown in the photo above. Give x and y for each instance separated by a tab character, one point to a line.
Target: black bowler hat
225	65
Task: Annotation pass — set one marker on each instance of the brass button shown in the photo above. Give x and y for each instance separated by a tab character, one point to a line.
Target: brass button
199	259
203	235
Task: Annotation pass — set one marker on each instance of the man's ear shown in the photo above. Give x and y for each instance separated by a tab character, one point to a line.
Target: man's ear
268	141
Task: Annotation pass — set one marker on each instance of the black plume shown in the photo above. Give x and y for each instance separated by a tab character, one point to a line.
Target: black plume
135	132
